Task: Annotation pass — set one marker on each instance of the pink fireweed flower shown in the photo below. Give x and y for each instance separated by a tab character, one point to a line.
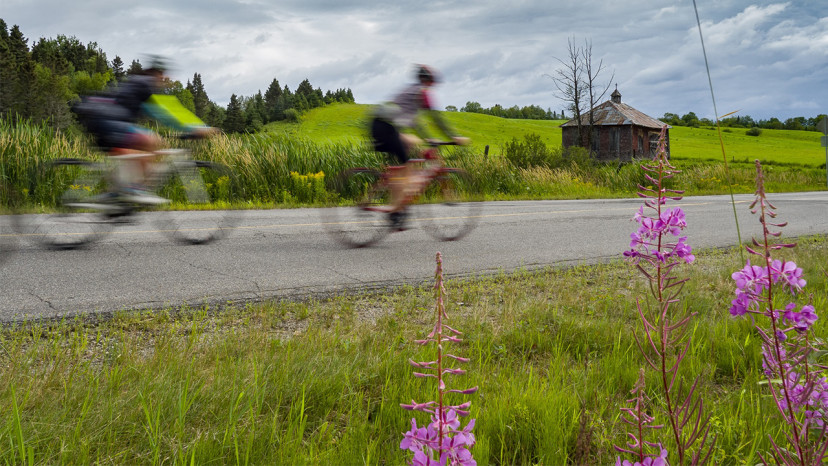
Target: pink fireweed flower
789	273
660	460
752	278
801	320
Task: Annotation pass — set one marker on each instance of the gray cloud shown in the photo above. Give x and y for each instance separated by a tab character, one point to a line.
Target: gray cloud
767	57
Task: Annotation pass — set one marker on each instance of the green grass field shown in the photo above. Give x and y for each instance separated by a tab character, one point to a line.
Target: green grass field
347	122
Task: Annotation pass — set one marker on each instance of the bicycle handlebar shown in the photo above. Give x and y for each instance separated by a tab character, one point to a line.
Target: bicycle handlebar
437	142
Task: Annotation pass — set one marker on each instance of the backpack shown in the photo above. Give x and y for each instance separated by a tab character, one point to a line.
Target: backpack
92	108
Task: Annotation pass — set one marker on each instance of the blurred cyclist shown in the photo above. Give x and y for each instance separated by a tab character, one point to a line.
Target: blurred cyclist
112	120
392	125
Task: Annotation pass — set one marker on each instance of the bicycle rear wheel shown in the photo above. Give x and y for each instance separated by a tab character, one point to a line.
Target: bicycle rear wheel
83	205
443	215
367	222
206	191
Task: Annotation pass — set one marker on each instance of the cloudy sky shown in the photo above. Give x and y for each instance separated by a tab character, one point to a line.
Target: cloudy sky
767	58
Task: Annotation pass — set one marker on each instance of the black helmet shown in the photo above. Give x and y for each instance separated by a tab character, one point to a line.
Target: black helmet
157	63
426	74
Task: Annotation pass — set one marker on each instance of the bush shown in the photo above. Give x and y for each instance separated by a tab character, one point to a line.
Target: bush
754	131
532	152
292	115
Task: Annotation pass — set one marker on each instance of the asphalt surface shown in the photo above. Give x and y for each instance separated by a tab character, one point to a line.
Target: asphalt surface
288	254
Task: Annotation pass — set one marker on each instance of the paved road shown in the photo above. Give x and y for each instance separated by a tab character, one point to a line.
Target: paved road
286	253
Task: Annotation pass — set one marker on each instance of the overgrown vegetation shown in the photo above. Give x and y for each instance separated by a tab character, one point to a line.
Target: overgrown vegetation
527	168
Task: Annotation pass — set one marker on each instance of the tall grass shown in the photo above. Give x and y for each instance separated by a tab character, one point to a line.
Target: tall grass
263	163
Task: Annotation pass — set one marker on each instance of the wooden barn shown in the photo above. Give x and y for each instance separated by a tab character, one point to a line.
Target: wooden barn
620	132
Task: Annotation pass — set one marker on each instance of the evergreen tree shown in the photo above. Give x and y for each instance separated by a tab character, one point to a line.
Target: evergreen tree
200	100
118	68
271	98
254	113
23	71
214	116
234	118
305	89
135	67
8	77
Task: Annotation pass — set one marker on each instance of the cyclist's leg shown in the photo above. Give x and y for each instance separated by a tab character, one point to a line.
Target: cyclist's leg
387	139
135	148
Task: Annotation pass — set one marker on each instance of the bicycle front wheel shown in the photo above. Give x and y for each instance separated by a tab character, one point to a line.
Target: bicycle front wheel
83	205
367	222
441	211
202	194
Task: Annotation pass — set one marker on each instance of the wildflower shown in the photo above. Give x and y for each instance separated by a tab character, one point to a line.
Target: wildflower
790	273
660	460
442	437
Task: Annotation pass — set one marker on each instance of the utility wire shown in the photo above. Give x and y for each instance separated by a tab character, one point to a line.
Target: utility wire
719	130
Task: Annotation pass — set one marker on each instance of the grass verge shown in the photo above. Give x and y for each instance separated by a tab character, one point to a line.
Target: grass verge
320	382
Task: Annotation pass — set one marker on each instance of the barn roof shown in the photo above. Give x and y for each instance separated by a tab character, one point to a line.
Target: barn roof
615	113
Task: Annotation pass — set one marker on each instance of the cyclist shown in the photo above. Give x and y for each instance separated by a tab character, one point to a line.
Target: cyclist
396	130
112	120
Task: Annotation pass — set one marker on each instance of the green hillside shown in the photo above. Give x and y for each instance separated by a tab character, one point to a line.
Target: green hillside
346	123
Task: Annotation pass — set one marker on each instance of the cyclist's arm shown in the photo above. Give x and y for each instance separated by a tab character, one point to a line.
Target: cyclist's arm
168	110
441	123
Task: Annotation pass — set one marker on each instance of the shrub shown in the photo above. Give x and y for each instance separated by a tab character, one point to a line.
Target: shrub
754	131
532	152
292	115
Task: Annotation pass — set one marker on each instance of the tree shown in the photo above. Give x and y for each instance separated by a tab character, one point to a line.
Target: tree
569	82
200	99
135	67
254	112
690	119
118	68
22	74
592	87
234	118
472	107
271	98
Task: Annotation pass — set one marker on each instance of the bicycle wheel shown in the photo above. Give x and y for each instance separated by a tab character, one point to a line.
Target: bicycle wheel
367	222
83	207
441	211
205	191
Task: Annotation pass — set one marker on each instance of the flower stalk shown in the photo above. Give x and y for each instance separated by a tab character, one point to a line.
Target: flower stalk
797	384
442	442
657	249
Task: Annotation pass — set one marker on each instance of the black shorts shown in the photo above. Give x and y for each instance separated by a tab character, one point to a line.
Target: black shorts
387	140
111	134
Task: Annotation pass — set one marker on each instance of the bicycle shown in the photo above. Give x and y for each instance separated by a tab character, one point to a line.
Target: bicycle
434	197
88	205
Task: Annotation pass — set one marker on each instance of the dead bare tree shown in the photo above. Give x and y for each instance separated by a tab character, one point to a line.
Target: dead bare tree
592	86
569	82
578	85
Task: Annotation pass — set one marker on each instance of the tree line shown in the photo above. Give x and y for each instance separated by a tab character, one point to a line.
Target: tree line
531	112
40	83
799	123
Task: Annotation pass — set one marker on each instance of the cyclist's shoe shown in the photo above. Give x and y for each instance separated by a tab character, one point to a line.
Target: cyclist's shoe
141	196
397	220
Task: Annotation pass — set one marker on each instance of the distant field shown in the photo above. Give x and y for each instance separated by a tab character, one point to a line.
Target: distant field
347	122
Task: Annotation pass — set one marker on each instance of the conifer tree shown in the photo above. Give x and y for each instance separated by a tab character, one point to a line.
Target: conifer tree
200	99
234	118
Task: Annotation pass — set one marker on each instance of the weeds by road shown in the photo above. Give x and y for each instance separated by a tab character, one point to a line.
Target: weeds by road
320	382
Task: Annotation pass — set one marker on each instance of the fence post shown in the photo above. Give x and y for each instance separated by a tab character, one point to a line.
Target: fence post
486	152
